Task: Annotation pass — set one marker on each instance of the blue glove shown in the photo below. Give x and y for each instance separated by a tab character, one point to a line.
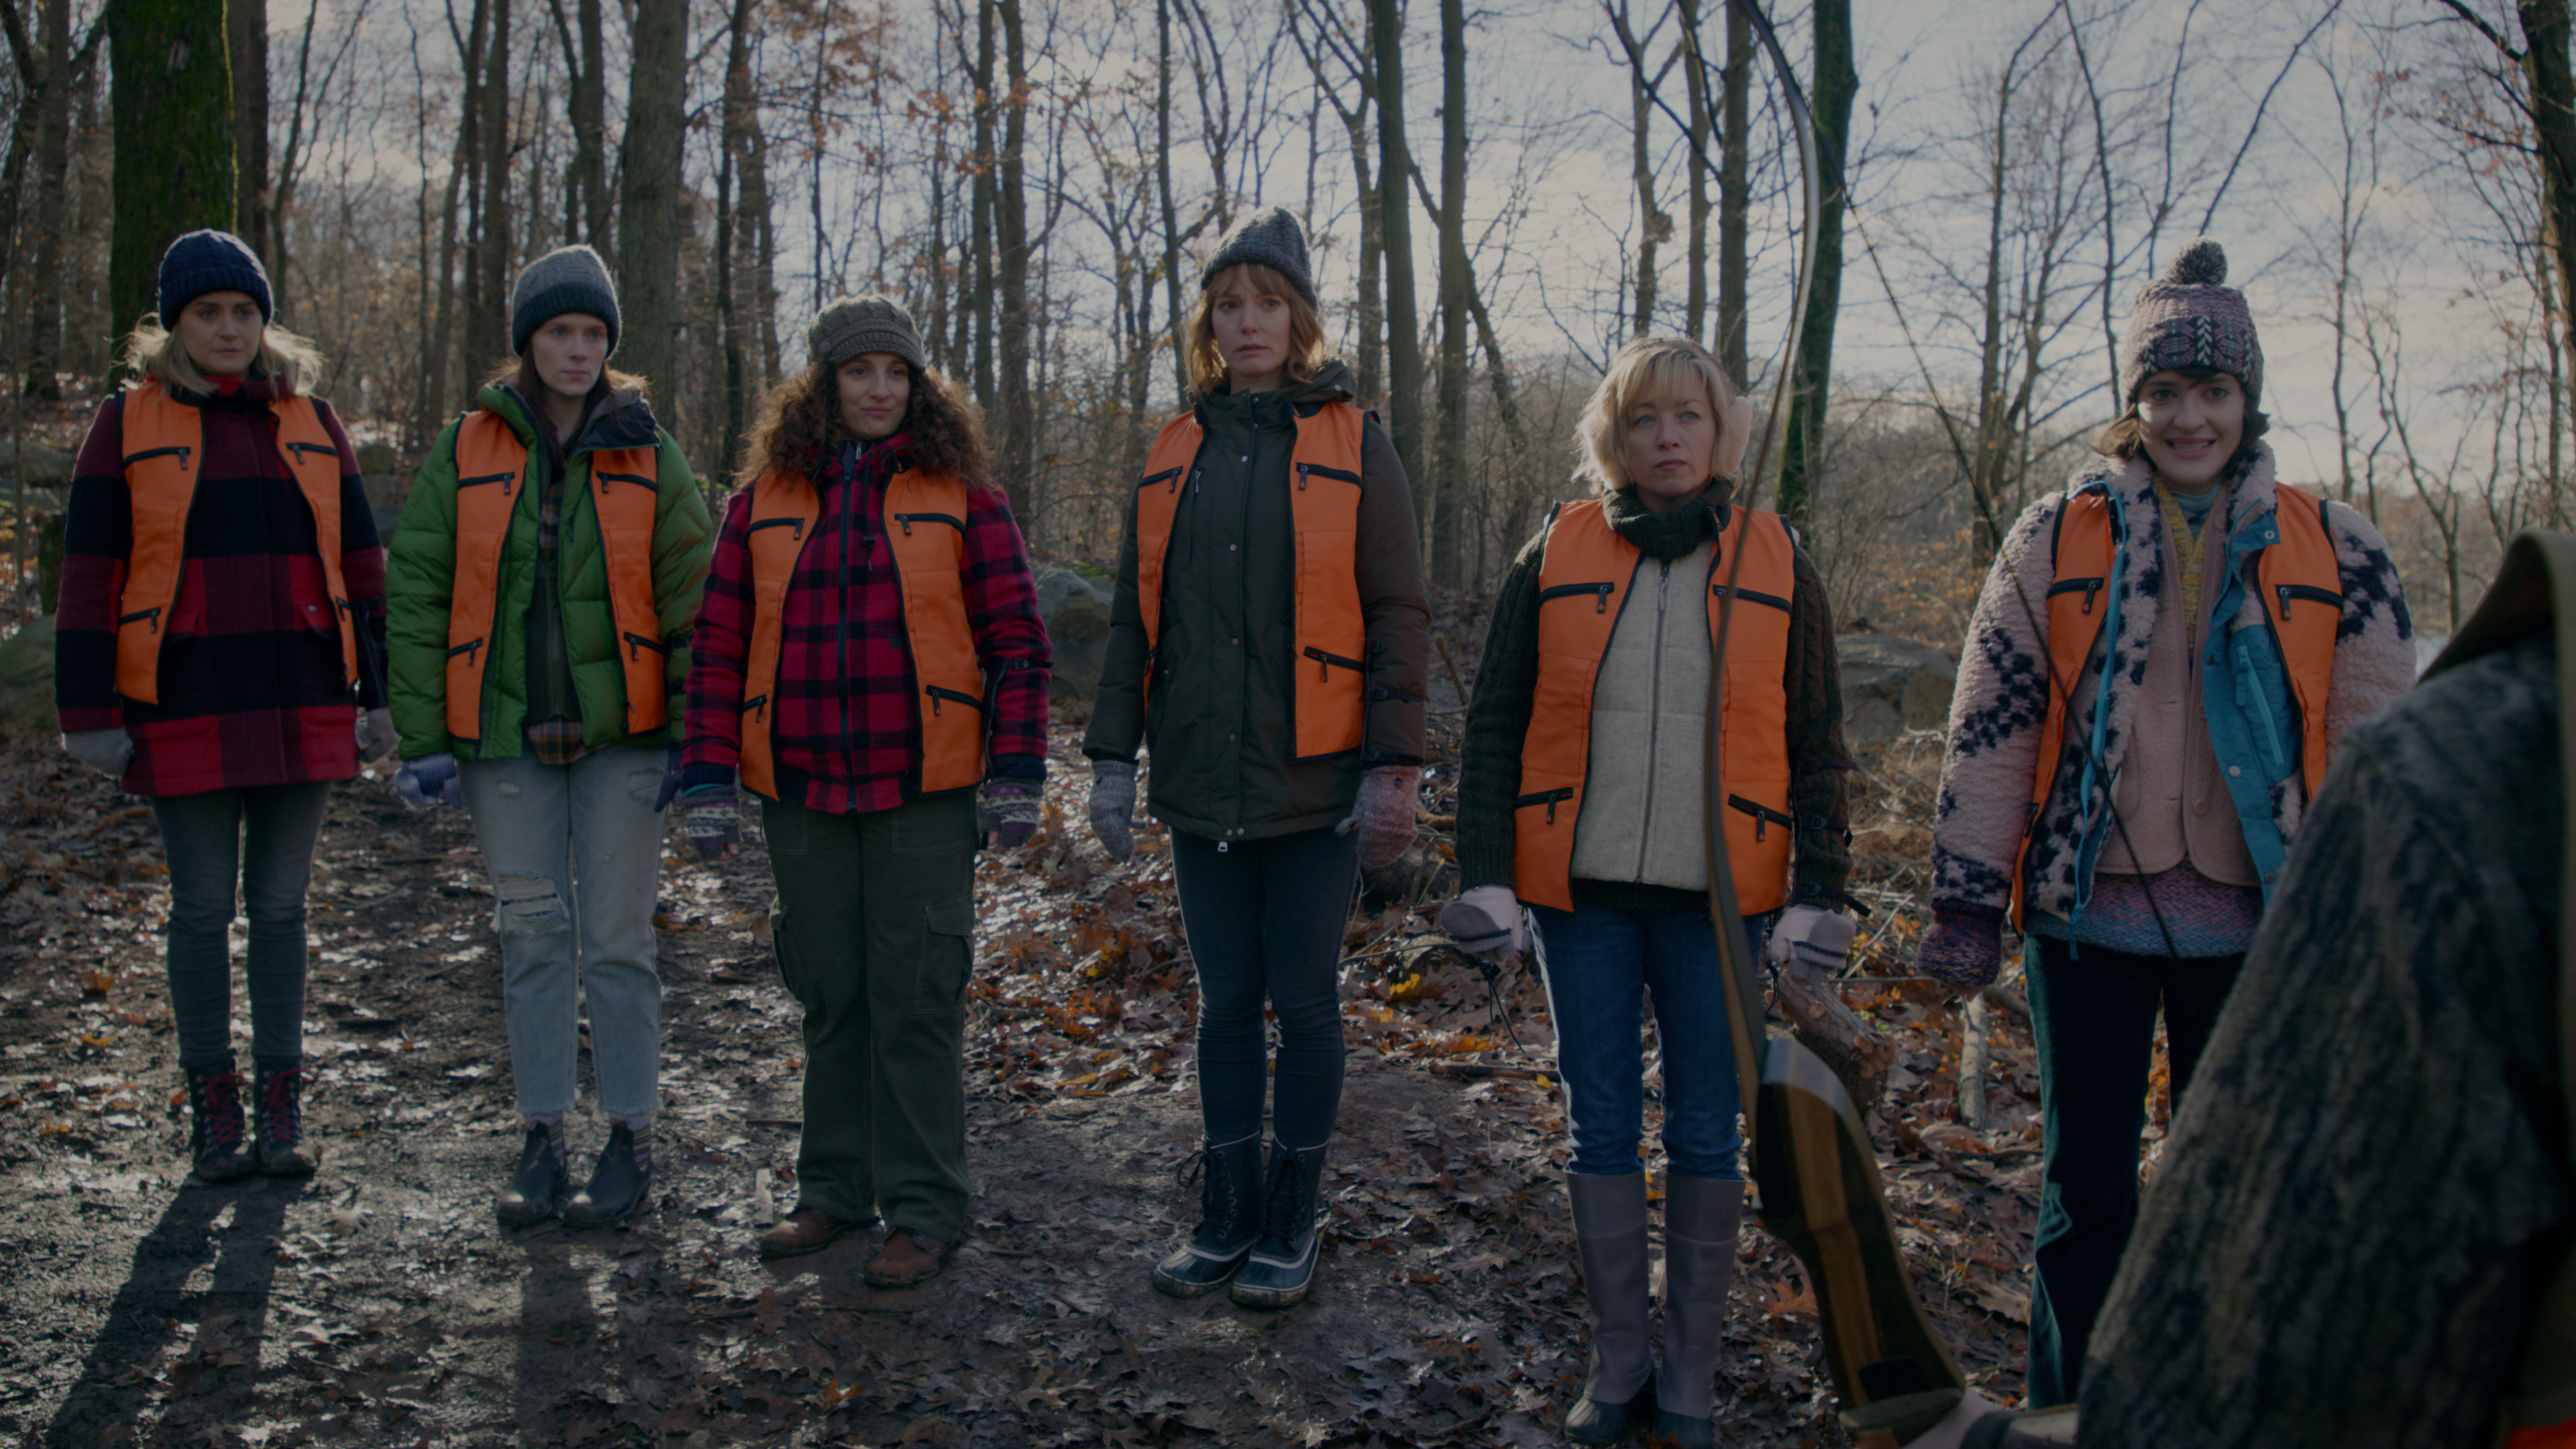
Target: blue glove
429	780
711	822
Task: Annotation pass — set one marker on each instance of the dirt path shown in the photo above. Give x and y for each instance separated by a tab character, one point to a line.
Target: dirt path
379	1303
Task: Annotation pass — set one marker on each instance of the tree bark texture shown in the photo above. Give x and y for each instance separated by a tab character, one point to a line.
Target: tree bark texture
1011	249
487	316
648	212
1695	88
1837	83
2545	68
1449	481
53	171
1404	400
173	102
1735	196
246	36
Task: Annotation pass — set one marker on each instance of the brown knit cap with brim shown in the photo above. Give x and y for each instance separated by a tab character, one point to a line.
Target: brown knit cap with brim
2190	318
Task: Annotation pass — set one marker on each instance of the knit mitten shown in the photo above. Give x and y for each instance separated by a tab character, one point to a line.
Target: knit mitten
1382	814
1113	806
1964	946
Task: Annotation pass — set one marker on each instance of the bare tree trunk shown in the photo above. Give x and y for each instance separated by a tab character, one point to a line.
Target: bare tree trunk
487	322
1449	481
1735	197
173	103
738	104
1175	316
979	236
1655	224
246	37
53	169
586	214
648	213
1695	87
2545	68
1404	403
1011	253
1802	454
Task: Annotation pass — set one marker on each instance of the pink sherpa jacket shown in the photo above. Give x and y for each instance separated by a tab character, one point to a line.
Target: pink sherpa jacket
2002	699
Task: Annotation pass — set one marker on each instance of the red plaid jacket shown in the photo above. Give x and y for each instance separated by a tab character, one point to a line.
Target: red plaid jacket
249	695
846	728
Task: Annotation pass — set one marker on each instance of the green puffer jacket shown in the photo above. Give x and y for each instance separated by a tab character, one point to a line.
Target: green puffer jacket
1220	722
421	576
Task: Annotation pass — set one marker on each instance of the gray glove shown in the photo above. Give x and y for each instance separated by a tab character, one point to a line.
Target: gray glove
1113	806
376	738
1813	936
1486	922
106	751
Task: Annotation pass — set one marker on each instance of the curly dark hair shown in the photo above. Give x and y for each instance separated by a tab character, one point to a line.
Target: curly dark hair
800	428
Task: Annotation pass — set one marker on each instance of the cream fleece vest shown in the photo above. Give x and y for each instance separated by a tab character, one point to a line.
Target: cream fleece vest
1645	786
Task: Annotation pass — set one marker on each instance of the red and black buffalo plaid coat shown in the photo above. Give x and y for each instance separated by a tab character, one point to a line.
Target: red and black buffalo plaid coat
846	732
250	695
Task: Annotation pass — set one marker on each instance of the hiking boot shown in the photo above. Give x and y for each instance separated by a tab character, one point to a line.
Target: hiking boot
279	1128
619	1183
1229	1181
536	1190
1701	1215
1281	1267
806	1230
218	1149
908	1260
1610	1240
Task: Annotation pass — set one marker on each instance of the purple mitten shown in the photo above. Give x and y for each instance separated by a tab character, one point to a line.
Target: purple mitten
1964	947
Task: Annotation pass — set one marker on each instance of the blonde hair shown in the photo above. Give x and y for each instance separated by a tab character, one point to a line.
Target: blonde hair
291	362
1655	367
1306	350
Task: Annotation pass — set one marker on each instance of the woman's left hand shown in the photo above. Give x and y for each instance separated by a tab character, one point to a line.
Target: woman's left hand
376	737
1383	814
1007	812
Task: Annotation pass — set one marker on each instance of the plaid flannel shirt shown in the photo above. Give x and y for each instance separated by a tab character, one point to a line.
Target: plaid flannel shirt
846	724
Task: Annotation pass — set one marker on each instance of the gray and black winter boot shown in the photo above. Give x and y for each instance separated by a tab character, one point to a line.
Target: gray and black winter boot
1701	1215
218	1150
1610	1240
279	1126
618	1185
536	1190
1229	1176
1282	1265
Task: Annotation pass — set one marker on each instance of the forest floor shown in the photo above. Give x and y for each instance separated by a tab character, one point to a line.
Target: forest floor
379	1303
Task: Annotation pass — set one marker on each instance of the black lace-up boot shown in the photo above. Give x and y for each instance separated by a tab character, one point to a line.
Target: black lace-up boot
218	1150
279	1132
1229	1183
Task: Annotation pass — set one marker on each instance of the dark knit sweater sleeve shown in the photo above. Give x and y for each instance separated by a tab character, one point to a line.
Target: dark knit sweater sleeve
2368	1179
1819	793
1497	724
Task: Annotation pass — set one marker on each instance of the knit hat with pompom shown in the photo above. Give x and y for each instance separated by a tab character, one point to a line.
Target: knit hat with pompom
2191	318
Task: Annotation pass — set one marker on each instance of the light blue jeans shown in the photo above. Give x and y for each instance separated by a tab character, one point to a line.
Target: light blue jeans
575	852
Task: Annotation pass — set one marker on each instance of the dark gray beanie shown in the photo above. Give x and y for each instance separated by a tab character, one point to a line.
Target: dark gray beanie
567	279
1271	237
850	326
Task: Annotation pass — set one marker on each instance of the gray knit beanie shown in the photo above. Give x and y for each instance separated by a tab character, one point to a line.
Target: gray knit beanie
850	326
1271	237
567	279
2190	318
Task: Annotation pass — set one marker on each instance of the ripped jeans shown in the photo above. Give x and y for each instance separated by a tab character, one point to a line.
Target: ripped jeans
575	852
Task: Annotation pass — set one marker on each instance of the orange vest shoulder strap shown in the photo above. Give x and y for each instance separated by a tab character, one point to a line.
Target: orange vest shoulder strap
2303	600
625	488
926	525
784	508
2078	600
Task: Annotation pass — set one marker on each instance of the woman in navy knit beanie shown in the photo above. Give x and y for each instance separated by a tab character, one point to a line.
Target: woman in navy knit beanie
220	652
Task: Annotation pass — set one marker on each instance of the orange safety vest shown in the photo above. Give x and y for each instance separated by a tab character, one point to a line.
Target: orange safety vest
625	488
2302	589
927	512
1584	576
164	445
1324	511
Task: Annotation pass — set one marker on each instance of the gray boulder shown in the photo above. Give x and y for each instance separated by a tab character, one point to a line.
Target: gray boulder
1892	685
1076	610
27	680
44	467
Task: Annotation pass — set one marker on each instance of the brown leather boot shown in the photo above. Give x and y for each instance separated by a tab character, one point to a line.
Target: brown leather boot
908	1260
806	1230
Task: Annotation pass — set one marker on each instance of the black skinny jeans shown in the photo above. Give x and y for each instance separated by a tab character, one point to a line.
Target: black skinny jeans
1265	919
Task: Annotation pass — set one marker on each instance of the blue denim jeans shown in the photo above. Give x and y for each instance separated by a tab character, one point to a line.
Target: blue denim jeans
1603	966
261	839
575	852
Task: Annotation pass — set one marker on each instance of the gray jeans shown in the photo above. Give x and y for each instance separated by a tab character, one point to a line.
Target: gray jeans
260	839
575	852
